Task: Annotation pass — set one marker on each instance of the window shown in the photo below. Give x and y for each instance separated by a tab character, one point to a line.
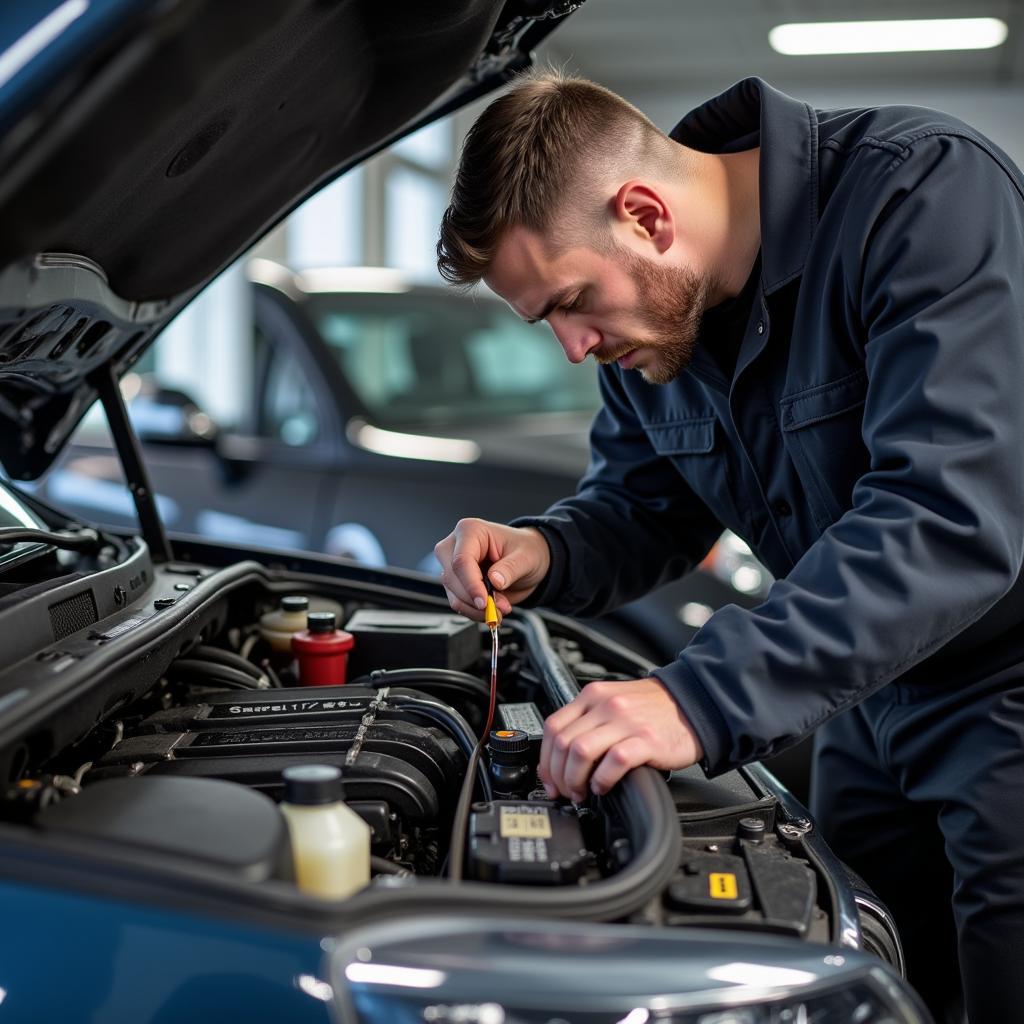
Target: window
426	357
287	405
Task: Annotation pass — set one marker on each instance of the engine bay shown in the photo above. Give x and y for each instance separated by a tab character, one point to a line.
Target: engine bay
150	710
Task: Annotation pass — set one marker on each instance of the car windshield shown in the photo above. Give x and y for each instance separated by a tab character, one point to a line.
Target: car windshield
420	357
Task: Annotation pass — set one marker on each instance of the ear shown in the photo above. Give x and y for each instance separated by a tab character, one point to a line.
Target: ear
642	208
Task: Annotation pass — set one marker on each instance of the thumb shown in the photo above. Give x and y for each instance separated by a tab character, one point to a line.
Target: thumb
508	570
503	573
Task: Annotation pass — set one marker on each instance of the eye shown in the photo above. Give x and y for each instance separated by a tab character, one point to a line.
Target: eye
575	305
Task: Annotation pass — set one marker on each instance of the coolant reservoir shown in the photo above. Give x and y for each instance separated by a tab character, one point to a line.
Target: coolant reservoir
330	842
321	651
278	626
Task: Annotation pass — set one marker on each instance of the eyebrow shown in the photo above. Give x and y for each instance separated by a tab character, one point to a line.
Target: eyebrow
556	300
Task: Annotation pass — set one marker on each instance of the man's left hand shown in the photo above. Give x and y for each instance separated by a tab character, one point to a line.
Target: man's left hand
610	728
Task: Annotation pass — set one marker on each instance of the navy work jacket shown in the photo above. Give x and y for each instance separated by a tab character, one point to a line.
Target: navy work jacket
869	445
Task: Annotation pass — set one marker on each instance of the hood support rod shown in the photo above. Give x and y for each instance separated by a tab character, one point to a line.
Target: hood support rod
104	380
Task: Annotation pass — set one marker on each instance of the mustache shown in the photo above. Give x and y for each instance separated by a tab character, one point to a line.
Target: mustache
611	355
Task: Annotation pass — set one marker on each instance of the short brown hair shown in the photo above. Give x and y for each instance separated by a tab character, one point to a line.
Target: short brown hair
522	156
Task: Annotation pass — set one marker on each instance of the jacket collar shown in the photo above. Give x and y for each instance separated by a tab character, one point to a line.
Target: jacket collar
749	114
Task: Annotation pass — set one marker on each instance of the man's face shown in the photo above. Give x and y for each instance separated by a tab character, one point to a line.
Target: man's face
616	305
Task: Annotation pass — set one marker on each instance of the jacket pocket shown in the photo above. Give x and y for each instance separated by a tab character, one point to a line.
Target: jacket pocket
682	437
821	428
695	448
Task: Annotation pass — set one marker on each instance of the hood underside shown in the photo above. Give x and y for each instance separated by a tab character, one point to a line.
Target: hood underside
174	139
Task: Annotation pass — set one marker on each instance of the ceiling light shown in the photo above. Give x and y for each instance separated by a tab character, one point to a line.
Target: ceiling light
801	39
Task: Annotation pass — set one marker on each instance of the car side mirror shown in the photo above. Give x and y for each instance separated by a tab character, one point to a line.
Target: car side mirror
162	415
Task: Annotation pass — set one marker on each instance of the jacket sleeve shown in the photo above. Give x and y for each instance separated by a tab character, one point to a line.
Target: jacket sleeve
632	525
935	535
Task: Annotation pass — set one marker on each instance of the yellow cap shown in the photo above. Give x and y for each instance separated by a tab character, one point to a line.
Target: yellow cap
491	612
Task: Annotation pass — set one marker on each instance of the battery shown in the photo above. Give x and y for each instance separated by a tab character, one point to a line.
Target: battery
526	843
409	639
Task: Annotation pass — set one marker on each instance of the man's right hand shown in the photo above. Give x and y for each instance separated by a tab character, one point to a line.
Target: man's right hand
519	558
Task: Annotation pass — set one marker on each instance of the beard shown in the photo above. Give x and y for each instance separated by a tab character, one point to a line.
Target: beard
672	301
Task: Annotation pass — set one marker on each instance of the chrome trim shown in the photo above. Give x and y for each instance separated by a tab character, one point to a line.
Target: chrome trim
879	910
846	925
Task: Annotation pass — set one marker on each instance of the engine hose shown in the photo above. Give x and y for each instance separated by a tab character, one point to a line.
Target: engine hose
453	723
228	658
383	866
214	673
643	803
421	678
559	683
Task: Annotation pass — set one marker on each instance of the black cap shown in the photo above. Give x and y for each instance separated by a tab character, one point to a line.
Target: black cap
321	622
752	829
294	603
508	741
313	784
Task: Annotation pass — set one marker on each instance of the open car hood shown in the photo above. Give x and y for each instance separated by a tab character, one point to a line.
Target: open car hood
145	145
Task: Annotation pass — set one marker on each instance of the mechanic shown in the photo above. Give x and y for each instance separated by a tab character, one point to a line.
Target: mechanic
810	326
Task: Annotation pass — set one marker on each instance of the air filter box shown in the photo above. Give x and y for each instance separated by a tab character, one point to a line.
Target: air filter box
405	639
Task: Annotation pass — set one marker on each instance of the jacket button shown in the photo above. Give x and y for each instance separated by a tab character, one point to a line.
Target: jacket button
760	327
781	509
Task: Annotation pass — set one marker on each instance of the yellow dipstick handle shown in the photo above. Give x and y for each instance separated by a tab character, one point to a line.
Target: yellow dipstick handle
491	613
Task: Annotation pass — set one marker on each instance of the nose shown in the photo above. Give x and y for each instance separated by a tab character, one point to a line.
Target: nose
577	340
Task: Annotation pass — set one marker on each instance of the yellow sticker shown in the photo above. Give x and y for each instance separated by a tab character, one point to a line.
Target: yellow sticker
525	824
722	885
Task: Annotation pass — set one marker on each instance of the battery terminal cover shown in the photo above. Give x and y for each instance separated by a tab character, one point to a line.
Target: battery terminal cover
526	843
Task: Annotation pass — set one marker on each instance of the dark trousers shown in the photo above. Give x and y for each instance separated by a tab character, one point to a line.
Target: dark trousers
922	793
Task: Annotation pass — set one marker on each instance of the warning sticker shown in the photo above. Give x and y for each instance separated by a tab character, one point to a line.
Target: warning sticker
525	823
722	885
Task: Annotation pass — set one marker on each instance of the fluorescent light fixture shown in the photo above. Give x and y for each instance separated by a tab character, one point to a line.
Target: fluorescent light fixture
412	446
803	39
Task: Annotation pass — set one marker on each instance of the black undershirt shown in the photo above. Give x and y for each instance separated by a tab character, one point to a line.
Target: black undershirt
723	326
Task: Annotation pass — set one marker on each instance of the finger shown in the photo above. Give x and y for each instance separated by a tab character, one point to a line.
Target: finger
509	567
562	740
561	719
443	551
460	606
467	580
585	751
620	758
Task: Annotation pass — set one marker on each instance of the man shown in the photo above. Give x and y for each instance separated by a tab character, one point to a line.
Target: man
811	331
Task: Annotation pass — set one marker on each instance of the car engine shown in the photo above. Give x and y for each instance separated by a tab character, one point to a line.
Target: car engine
151	708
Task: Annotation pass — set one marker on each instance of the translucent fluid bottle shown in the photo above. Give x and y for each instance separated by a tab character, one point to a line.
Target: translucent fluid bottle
330	842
